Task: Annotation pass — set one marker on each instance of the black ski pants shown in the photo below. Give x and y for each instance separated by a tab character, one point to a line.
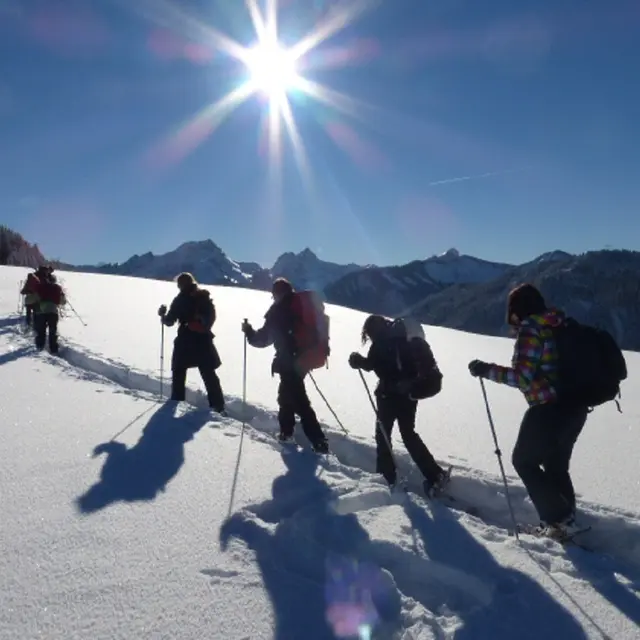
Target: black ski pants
401	408
42	323
542	454
293	400
211	384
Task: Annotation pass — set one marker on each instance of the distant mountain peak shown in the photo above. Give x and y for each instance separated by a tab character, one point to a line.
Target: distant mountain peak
452	254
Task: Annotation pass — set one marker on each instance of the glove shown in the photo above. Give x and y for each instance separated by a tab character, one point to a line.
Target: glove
162	311
246	327
356	360
479	369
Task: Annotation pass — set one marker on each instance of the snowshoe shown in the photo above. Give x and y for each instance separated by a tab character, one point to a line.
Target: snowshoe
435	489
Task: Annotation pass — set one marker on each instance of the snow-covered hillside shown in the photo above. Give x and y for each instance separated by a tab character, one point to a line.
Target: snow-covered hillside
127	517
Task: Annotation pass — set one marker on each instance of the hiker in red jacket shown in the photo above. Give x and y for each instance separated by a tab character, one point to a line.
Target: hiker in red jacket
30	293
50	298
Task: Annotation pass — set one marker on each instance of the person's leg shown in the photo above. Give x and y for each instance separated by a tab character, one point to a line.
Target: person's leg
52	323
286	407
556	464
420	454
384	427
214	389
178	384
537	441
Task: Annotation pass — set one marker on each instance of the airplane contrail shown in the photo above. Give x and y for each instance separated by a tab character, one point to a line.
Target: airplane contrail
474	177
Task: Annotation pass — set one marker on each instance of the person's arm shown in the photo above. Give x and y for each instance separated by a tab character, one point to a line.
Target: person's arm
171	317
526	358
262	337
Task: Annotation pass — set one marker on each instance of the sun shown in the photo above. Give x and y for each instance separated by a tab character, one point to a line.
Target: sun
272	69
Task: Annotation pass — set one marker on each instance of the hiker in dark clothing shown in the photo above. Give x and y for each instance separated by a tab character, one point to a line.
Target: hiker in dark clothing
390	360
278	330
50	297
549	428
193	347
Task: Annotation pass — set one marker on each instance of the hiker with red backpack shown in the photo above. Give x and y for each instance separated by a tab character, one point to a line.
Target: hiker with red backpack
50	297
563	369
195	314
30	293
296	326
407	372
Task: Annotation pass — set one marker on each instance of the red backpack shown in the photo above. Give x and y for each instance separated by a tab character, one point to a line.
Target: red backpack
310	331
50	292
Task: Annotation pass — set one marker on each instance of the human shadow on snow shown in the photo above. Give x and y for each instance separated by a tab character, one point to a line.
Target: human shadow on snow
139	473
318	567
15	354
518	607
601	572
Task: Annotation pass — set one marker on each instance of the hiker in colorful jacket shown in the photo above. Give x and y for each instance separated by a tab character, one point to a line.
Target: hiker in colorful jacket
50	297
549	429
29	291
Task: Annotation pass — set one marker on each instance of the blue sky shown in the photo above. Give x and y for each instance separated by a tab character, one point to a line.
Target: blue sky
505	129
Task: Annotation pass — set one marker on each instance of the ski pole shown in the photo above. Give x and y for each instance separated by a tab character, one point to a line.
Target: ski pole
378	422
327	403
499	456
244	422
161	358
75	312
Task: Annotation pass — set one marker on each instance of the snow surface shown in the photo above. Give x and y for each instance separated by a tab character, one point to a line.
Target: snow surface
126	516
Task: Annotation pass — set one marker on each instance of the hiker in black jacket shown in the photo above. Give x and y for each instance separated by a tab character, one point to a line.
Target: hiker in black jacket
193	309
278	330
389	358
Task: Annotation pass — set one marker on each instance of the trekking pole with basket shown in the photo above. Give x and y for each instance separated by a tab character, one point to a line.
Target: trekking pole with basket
335	415
499	456
378	423
161	358
244	424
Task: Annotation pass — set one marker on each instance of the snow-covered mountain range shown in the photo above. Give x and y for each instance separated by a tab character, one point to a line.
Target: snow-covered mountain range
452	290
398	289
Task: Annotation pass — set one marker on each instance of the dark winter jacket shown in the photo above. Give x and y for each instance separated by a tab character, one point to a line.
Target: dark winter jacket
277	331
390	359
195	312
534	365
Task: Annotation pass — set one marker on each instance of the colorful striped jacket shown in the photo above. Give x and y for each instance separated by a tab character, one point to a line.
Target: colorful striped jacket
533	368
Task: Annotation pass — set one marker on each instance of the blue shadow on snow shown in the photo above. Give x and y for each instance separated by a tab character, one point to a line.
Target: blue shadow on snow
519	608
317	566
139	473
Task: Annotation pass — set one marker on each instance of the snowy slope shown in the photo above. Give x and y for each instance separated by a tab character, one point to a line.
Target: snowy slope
163	535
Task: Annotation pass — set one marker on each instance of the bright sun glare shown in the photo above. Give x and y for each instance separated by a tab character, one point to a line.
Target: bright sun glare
272	69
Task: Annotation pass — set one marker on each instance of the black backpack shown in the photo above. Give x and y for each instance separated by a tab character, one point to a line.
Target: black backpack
428	382
591	366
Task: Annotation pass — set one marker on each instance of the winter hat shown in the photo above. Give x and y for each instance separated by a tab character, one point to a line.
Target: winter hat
185	280
281	287
525	300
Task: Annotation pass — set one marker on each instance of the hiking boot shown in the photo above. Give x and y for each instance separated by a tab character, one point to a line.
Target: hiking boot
433	488
559	530
322	446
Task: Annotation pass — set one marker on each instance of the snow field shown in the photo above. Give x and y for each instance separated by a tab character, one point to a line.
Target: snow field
123	536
